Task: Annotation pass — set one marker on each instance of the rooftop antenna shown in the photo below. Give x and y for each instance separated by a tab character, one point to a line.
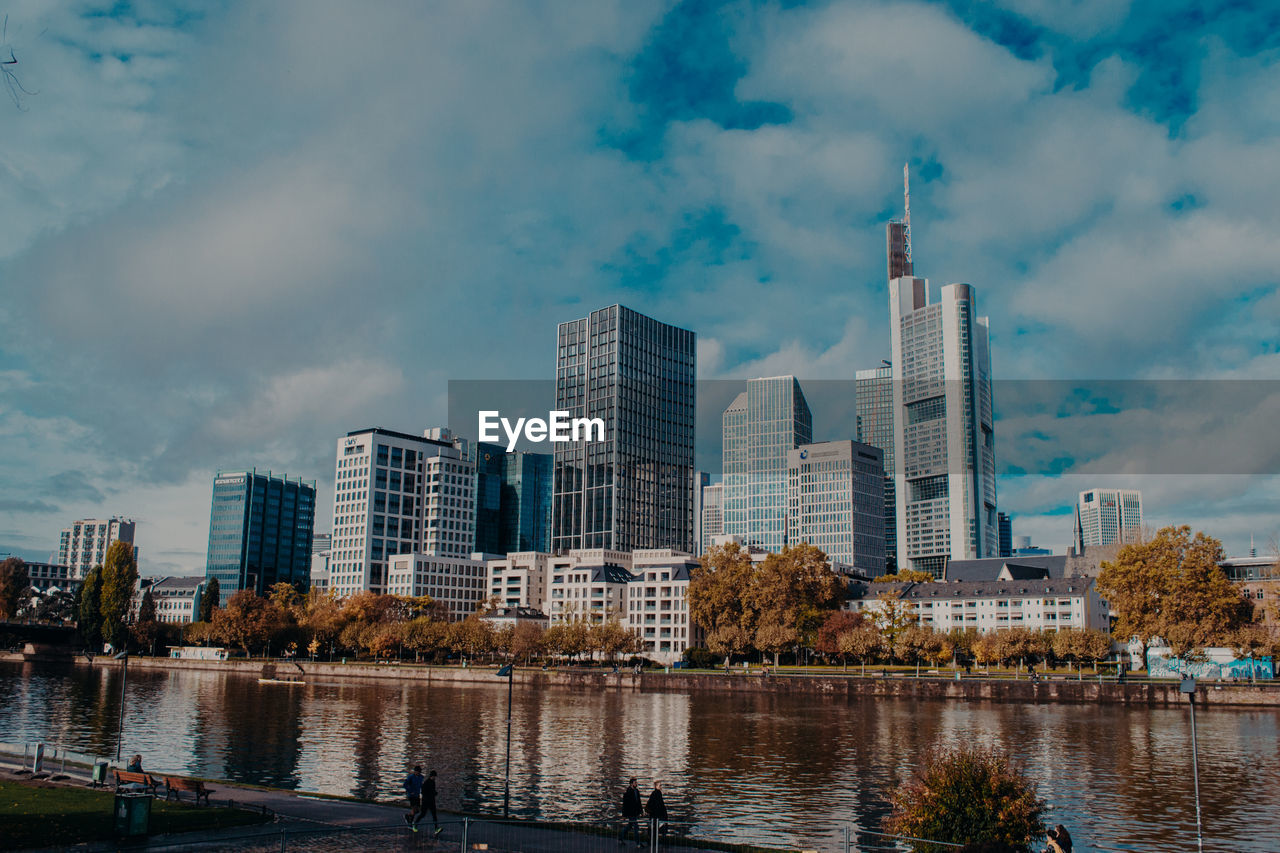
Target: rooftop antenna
906	198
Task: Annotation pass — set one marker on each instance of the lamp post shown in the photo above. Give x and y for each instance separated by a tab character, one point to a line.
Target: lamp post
508	672
124	680
1189	687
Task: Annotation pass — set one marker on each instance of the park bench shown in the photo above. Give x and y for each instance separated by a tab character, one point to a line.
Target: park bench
175	784
129	777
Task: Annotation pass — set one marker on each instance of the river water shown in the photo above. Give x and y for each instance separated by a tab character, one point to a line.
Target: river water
782	768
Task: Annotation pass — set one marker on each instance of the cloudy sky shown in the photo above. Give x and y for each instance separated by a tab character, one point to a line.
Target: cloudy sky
234	232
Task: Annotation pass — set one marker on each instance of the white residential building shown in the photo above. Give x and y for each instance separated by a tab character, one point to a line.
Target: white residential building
520	579
84	544
177	599
985	606
1108	517
835	501
657	604
944	436
457	582
396	493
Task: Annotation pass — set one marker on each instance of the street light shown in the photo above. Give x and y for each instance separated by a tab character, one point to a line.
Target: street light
124	679
507	672
1189	687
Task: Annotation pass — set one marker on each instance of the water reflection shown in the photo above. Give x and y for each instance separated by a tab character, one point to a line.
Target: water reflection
792	765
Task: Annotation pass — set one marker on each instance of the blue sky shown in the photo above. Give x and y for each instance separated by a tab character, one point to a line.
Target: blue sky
235	231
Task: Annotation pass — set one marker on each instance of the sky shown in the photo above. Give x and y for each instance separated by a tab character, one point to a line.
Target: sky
235	231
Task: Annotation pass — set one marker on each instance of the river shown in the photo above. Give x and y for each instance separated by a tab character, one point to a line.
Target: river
776	767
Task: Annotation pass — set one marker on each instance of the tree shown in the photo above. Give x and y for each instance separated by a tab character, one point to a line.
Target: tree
147	627
728	640
892	615
248	621
15	582
795	590
863	642
773	637
717	599
119	578
968	795
837	622
210	599
906	576
57	606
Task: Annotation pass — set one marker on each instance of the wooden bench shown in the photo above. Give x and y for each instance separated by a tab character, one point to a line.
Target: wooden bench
175	784
129	777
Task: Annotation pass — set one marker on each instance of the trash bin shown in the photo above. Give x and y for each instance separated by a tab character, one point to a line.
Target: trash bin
100	774
133	814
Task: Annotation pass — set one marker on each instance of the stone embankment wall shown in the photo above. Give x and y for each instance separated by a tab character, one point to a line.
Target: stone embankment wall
852	687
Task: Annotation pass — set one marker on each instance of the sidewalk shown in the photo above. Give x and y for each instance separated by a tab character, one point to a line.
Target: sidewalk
314	823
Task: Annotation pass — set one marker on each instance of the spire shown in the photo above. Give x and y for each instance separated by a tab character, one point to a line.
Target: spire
906	203
898	234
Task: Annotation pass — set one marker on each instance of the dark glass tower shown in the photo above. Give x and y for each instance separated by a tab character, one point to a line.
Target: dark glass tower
513	500
635	488
260	531
875	427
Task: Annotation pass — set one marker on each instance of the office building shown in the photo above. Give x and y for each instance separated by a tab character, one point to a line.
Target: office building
397	493
835	500
711	521
1004	536
260	529
634	489
84	544
47	577
874	390
898	235
1108	517
759	428
513	500
701	482
1042	604
459	583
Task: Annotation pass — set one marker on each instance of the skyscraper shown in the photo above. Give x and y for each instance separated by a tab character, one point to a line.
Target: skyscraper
835	497
526	502
874	389
635	488
84	544
1108	517
759	428
260	529
711	517
1005	535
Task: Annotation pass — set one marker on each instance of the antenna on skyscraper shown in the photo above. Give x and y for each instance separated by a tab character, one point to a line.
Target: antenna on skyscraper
906	198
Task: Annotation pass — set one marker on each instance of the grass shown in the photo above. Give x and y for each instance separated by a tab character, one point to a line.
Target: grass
35	814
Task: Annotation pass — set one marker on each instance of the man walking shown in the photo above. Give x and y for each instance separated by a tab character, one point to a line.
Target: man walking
413	790
429	803
631	812
657	810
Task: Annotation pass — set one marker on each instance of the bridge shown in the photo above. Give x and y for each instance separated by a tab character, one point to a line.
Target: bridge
39	640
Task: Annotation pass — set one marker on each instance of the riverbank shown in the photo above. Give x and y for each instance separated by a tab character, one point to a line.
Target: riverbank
852	686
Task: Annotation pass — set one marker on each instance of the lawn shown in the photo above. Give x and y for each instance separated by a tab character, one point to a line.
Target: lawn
35	814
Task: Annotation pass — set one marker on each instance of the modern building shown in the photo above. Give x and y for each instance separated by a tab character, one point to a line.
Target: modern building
835	501
657	603
701	482
52	576
84	544
524	507
1107	517
759	429
985	606
1023	547
397	493
177	599
711	518
459	583
510	617
260	530
874	399
1249	568
1005	535
520	578
634	489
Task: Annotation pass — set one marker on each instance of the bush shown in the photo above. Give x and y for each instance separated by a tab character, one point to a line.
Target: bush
700	658
968	796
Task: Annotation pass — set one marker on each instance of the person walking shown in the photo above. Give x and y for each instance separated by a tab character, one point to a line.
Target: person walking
631	811
657	810
429	803
413	790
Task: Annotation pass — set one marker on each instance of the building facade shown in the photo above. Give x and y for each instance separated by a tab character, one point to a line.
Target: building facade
711	521
657	604
874	398
84	544
635	488
1041	604
1004	536
835	501
397	493
260	529
944	439
758	431
177	599
1107	517
525	519
52	576
459	583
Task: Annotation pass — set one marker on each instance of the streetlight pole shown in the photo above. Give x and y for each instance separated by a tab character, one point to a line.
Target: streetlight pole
509	672
124	680
1189	687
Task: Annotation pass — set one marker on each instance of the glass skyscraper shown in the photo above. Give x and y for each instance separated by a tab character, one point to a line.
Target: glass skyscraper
635	488
875	427
260	531
760	427
513	500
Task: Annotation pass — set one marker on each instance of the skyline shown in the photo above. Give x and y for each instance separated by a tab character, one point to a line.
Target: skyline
238	234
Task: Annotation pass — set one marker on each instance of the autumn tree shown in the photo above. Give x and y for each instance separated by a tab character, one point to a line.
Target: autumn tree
717	599
862	643
968	795
906	576
526	640
119	577
210	600
795	590
892	615
15	583
247	621
147	627
837	622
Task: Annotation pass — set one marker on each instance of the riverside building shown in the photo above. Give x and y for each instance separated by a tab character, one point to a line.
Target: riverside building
260	529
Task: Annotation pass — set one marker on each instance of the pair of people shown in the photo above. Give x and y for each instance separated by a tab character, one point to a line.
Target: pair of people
422	798
631	810
1059	840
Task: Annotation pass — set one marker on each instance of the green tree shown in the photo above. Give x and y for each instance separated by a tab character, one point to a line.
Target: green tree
892	615
968	795
119	578
210	600
147	627
15	583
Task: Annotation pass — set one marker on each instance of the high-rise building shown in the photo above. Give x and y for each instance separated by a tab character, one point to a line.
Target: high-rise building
759	428
489	462
711	524
898	235
1005	536
84	544
835	498
944	441
701	482
874	390
1108	517
260	530
396	493
634	489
